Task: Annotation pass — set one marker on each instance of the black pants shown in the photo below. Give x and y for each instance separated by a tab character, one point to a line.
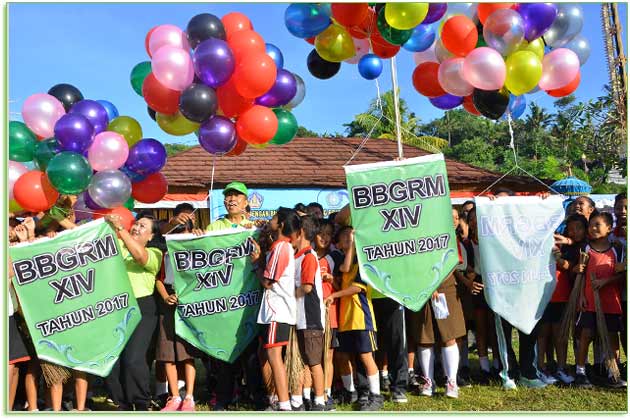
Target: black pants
128	382
392	339
227	374
526	349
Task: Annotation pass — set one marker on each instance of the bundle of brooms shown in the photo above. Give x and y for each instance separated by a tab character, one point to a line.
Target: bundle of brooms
293	361
602	330
327	338
567	325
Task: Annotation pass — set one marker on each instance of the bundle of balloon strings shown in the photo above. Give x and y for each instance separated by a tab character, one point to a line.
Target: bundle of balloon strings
567	325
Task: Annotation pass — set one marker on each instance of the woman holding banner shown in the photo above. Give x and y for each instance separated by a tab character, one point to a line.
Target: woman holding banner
142	248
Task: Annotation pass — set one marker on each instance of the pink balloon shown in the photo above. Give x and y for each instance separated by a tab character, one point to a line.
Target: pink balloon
173	67
451	77
559	68
16	170
361	47
167	35
41	112
108	151
484	68
426	56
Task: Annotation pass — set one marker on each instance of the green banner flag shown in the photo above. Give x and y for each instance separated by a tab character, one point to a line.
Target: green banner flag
218	292
404	235
76	297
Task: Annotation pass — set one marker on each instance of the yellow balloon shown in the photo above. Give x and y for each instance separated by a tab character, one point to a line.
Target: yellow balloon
260	146
523	72
14	207
405	15
537	46
128	127
335	44
176	124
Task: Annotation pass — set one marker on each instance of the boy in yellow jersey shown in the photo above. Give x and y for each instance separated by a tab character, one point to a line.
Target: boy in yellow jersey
357	325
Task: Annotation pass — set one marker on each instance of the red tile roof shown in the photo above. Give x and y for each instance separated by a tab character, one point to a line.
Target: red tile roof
313	162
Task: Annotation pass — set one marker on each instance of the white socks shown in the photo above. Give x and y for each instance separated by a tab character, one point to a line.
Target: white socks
580	370
296	400
306	393
348	382
181	384
285	405
320	400
450	361
484	363
384	373
375	384
427	359
328	392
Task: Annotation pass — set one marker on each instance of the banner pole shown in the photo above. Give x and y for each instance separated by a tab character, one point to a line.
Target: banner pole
392	63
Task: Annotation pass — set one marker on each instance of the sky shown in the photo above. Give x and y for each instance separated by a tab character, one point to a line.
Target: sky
95	46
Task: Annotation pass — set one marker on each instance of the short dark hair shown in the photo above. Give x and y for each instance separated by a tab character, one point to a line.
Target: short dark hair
577	218
182	207
158	240
341	230
607	217
300	207
504	190
291	223
315	204
620	196
310	227
589	199
468	202
248	208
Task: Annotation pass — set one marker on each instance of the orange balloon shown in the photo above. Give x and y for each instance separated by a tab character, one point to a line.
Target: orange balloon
425	80
34	192
234	22
254	75
565	90
232	104
382	48
485	9
459	35
470	106
366	27
238	150
257	125
349	14
127	216
244	43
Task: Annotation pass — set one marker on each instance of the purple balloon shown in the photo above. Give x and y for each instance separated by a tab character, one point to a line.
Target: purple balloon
74	133
538	18
447	101
90	203
134	177
213	62
435	13
282	91
146	157
217	135
94	112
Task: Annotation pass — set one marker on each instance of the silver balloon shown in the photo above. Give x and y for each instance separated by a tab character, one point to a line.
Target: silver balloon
567	25
504	31
581	47
110	189
441	53
299	93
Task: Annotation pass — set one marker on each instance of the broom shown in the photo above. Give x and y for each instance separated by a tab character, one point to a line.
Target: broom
602	330
54	374
327	338
567	325
293	361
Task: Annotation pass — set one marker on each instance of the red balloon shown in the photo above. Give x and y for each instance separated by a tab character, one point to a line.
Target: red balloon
127	216
231	103
254	75
459	35
382	48
151	189
234	22
238	150
244	43
366	27
425	80
257	125
310	40
565	90
350	14
485	9
160	98
34	192
469	106
146	40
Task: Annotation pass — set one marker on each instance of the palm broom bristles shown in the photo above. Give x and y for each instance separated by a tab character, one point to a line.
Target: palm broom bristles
327	338
602	330
567	325
293	361
54	374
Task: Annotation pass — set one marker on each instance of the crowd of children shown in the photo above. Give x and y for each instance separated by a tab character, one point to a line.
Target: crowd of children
352	344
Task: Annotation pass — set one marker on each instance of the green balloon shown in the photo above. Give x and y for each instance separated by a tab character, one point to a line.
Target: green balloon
138	74
287	127
69	172
44	151
389	34
21	142
130	204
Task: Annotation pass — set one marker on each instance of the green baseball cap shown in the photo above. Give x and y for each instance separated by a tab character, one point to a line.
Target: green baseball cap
236	186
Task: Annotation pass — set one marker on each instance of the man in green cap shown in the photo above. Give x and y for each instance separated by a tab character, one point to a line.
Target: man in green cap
235	202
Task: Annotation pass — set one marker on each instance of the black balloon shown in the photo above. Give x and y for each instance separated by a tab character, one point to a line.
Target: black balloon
202	27
491	103
151	113
198	102
321	68
67	94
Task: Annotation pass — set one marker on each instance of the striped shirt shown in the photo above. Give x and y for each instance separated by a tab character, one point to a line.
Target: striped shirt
278	303
310	308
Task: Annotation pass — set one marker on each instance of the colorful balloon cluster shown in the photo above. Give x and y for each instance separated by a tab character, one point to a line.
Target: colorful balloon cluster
81	147
486	57
220	79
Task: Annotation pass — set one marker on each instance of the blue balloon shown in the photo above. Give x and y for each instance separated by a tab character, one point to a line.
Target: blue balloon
421	38
306	20
112	111
275	54
370	66
447	101
516	106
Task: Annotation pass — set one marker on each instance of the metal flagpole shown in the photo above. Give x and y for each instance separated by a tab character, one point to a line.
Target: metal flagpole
392	62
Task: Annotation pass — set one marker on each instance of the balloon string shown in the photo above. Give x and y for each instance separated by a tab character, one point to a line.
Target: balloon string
379	104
